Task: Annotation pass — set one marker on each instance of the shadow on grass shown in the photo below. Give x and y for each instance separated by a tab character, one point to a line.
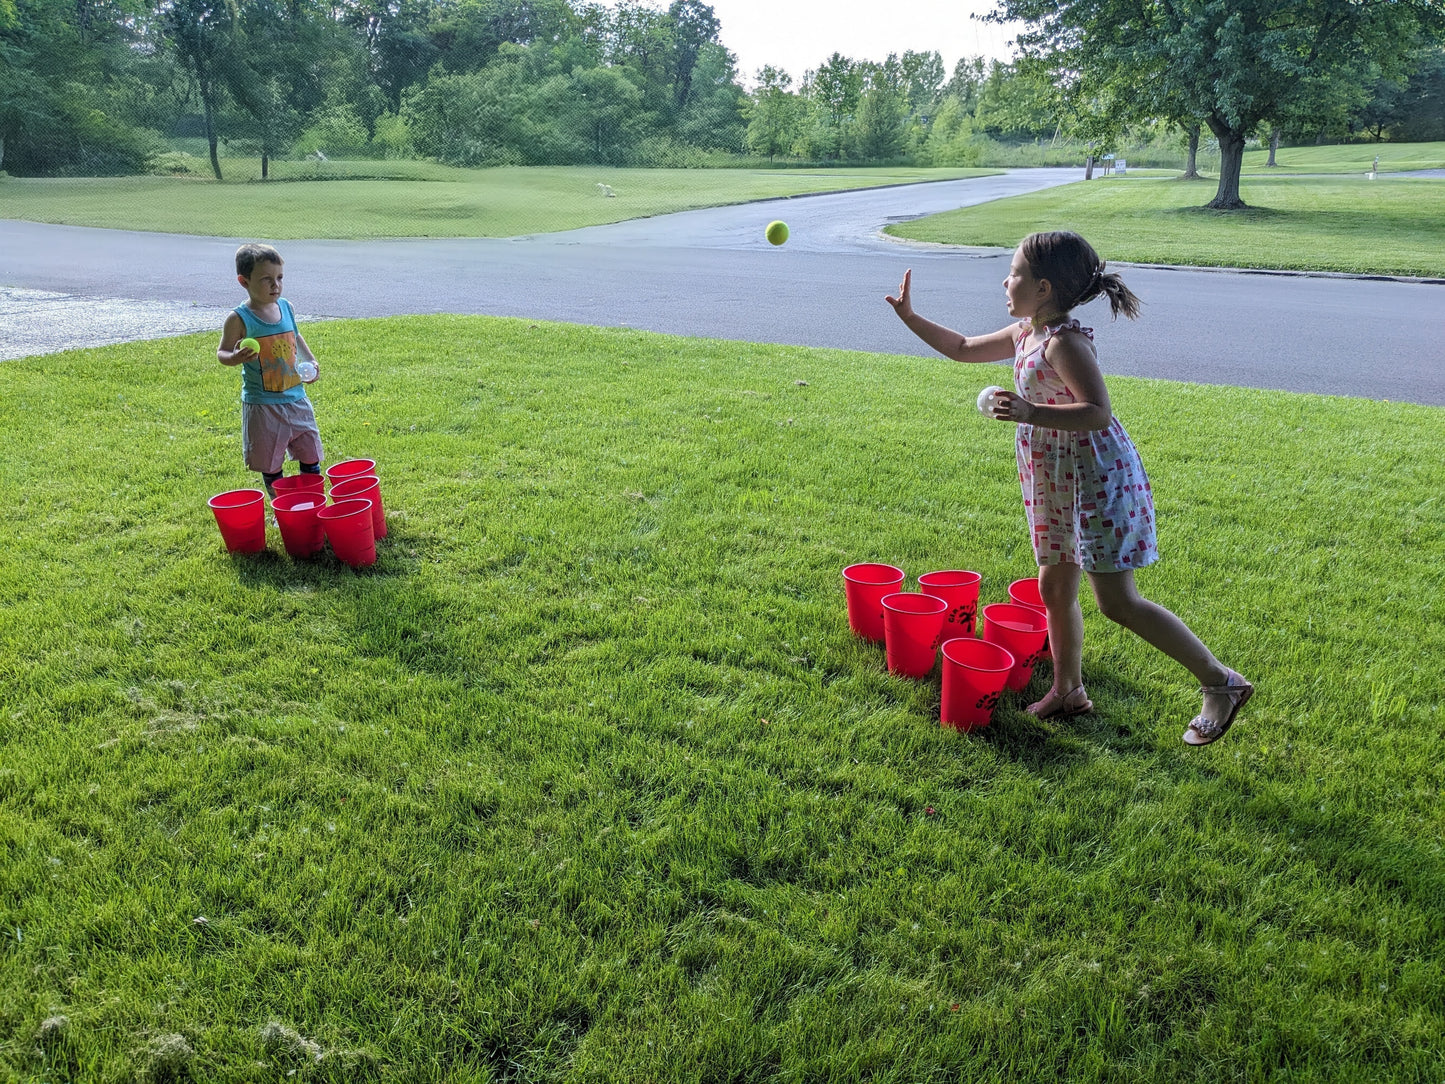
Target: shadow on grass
1356	852
386	614
1250	213
1058	746
276	569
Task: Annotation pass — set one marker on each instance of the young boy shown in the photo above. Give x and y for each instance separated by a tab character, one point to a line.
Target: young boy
276	416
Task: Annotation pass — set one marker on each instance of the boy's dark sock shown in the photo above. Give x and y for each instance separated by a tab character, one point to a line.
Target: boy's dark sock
310	468
269	478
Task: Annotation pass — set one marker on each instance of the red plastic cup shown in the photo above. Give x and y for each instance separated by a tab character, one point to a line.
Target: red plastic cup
350	468
864	587
1026	593
974	675
241	515
1019	629
296	512
959	589
911	624
368	487
348	528
295	482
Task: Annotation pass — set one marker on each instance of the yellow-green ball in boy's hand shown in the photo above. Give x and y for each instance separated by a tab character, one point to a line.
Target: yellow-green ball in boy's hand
777	232
249	344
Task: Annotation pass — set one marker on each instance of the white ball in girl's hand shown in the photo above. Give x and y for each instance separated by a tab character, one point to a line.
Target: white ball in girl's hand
986	399
307	371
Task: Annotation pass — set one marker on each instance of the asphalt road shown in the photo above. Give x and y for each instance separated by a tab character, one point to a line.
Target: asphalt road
710	273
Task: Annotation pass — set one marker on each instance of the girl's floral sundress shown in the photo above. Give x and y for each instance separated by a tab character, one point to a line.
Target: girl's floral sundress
1086	495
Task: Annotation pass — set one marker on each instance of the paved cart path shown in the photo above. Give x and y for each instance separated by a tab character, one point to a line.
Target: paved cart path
711	273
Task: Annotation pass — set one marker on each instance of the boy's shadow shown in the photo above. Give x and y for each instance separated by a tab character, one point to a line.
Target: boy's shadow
384	613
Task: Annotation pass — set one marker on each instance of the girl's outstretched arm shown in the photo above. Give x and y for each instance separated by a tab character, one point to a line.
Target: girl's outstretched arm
996	346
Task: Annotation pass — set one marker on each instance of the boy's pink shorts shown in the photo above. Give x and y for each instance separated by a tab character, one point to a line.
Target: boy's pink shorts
270	430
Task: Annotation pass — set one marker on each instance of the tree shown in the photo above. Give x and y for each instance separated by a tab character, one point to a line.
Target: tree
275	76
713	115
1233	63
878	133
1015	100
59	60
1191	162
467	35
399	40
923	76
1410	107
201	33
694	26
771	113
832	92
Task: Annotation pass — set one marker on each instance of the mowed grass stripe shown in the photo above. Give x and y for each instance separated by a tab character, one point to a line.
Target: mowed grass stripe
587	779
1387	226
418	199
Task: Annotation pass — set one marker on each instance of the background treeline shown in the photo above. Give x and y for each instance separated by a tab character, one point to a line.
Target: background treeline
96	87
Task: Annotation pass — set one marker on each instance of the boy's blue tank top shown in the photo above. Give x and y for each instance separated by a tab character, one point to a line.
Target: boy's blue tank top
272	379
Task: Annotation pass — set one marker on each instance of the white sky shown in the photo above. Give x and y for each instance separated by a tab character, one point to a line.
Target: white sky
797	35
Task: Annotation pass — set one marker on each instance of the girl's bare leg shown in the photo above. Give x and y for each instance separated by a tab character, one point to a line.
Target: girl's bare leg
1119	600
1059	589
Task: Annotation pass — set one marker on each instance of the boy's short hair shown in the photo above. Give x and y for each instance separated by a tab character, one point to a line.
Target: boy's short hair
250	254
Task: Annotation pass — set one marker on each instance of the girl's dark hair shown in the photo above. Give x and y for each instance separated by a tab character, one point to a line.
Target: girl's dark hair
1076	273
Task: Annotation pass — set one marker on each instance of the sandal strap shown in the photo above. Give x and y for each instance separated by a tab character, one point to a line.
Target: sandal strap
1227	690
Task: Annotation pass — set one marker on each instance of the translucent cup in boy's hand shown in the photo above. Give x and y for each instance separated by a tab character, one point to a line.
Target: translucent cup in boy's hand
307	371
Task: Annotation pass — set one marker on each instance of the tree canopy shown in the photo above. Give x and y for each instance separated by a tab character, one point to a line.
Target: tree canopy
111	86
1232	64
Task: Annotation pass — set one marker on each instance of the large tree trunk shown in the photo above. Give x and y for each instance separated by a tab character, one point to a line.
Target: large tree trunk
1273	146
210	115
1191	164
1231	161
215	158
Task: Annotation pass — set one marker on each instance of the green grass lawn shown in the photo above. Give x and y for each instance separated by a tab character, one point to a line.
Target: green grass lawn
586	779
414	199
1301	223
1354	158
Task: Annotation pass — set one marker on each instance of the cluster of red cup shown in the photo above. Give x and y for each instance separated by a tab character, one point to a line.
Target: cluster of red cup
350	517
915	627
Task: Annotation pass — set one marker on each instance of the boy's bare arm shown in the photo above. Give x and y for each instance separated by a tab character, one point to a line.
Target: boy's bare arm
303	351
232	332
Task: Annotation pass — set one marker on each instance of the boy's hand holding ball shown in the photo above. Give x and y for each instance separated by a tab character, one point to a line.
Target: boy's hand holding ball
249	344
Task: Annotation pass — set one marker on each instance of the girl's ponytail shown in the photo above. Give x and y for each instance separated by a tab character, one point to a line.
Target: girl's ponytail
1076	273
1121	298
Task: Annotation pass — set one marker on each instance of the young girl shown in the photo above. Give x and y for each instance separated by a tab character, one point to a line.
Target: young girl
1087	498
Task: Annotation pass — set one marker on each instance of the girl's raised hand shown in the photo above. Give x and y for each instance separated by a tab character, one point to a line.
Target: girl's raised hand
903	303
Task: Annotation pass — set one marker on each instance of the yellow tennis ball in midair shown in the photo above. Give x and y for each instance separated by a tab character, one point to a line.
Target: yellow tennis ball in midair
777	232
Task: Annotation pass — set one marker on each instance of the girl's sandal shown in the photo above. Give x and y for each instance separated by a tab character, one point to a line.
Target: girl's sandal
1204	731
1074	702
